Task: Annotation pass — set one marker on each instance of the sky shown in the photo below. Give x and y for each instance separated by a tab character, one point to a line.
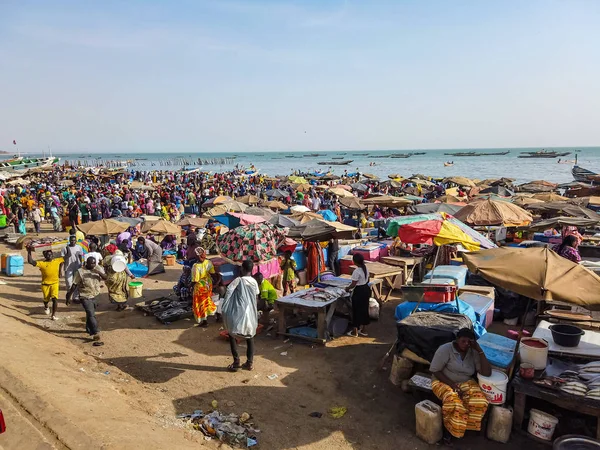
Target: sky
275	75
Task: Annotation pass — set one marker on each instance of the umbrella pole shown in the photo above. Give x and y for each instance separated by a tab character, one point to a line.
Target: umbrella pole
523	322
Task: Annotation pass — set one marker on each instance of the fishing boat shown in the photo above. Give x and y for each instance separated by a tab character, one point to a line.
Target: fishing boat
401	155
313	155
334	163
581	174
21	163
381	156
418	153
477	154
543	154
337	157
448	164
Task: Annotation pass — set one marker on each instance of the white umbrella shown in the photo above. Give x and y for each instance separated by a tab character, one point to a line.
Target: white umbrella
299	208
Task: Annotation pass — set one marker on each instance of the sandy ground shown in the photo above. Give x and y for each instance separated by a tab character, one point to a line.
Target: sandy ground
127	393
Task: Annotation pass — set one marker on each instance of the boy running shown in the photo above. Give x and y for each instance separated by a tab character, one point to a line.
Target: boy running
50	268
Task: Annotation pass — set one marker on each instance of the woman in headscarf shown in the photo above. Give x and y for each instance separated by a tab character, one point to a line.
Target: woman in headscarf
184	288
568	248
202	273
116	282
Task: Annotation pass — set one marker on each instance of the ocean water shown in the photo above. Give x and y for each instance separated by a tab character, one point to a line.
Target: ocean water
431	163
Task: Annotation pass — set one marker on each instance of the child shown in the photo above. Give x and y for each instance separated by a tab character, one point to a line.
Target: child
288	266
182	250
267	292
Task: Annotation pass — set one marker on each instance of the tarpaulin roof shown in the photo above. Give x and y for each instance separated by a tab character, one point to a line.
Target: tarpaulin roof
437	229
563	221
537	273
318	230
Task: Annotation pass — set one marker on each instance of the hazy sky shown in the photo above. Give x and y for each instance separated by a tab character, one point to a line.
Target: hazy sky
232	75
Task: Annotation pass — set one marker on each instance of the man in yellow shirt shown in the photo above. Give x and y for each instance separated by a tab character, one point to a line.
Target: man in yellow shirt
51	268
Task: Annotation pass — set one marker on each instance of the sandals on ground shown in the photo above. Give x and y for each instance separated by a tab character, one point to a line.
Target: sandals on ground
234	367
248	366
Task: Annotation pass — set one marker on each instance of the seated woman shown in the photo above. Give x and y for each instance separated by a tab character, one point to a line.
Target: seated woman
453	367
568	248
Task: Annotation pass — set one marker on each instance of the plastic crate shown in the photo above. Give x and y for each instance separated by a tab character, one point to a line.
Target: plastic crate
429	293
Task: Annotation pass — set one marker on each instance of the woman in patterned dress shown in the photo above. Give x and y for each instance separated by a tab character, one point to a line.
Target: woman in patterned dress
202	273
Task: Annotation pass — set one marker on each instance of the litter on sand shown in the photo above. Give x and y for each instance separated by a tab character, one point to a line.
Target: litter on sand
337	412
272	376
234	430
283	353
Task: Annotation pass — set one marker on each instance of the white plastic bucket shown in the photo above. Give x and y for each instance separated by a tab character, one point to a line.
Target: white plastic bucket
541	424
118	263
494	387
536	356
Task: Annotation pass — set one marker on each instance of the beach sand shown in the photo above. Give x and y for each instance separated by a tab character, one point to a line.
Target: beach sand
157	371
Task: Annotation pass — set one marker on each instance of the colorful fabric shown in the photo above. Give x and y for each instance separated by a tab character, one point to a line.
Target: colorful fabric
289	269
315	263
439	229
568	252
116	282
257	242
461	412
202	303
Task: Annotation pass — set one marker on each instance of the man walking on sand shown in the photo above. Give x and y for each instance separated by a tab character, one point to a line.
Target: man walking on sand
73	256
87	281
50	268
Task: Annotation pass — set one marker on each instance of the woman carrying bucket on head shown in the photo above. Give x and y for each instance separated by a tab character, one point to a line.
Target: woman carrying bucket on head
117	274
202	273
453	367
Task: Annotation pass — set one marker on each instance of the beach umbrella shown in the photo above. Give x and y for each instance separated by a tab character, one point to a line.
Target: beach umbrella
437	229
448	199
299	208
275	204
282	220
370	176
248	199
297	180
427	208
341	192
217	200
557	222
461	181
130	221
537	273
257	242
103	227
413	198
343	186
277	193
526	201
498	190
352	203
306	217
303	187
263	212
161	226
537	186
387	200
360	187
421	182
319	231
566	209
216	211
550	197
234	205
395	176
193	222
328	215
233	220
490	212
138	185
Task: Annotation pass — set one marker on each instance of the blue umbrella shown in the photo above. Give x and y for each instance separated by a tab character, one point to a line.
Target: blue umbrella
328	215
227	220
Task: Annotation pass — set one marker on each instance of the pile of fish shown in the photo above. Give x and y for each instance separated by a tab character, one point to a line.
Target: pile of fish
583	383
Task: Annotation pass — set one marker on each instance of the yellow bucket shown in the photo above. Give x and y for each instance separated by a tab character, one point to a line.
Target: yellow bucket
135	289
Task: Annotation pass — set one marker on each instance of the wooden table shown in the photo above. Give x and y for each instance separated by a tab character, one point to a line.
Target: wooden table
402	261
379	271
323	309
525	388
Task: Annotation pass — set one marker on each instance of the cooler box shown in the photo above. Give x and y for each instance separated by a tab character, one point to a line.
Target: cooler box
15	265
483	306
371	252
458	274
300	257
488	291
345	264
429	293
499	350
227	270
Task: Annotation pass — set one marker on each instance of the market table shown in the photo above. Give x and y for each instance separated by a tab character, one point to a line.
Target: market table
304	300
589	346
405	262
525	388
383	272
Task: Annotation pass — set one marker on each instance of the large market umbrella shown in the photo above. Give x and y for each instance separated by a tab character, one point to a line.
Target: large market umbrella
461	181
249	199
526	201
193	222
297	180
427	208
299	209
318	230
537	186
537	273
395	176
103	227
550	197
130	221
556	222
360	187
233	220
352	203
448	199
306	217
490	212
387	200
341	192
217	200
263	212
438	229
277	193
257	242
328	215
282	220
391	183
565	209
161	226
275	204
498	190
